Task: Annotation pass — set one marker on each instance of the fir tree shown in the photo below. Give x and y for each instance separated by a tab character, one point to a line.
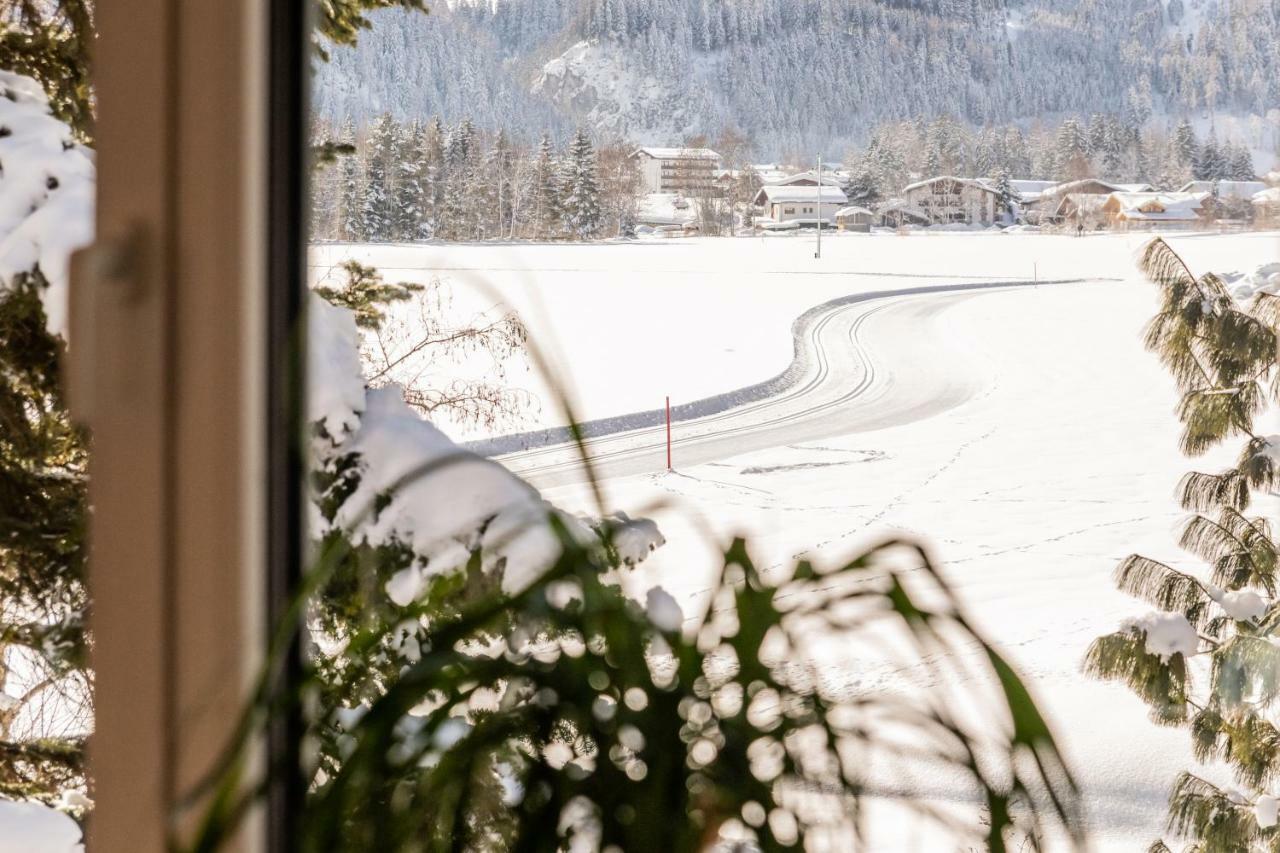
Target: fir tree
1071	152
351	201
1005	193
409	190
381	164
582	189
547	189
1184	151
1225	613
1241	165
433	174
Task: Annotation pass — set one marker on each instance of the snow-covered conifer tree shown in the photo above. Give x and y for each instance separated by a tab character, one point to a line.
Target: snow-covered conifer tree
352	187
381	163
582	188
407	187
547	189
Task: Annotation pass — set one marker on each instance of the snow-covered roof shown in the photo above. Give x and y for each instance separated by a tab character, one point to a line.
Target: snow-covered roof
1029	190
1023	186
1271	196
678	153
1084	202
1083	186
1159	207
1135	188
978	183
1226	189
784	194
829	176
853	210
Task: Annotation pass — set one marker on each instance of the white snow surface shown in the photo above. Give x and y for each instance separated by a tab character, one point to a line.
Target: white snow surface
30	827
46	193
1166	634
335	397
1055	457
663	610
1265	811
444	502
441	501
1243	605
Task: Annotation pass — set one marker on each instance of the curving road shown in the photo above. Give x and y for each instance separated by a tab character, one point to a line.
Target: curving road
853	372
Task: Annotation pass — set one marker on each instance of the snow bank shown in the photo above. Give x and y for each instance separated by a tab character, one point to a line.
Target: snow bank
418	489
27	827
335	394
1264	279
1167	634
46	193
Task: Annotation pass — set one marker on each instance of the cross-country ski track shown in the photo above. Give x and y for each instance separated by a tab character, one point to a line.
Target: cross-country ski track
838	383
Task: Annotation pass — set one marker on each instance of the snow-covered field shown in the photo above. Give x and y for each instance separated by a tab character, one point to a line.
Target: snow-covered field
1056	456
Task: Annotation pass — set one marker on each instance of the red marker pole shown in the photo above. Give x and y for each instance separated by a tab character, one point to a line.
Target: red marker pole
668	433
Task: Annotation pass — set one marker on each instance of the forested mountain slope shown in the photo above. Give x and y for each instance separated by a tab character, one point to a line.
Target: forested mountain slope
798	74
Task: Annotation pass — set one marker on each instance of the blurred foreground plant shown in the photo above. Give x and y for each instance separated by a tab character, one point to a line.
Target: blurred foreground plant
566	716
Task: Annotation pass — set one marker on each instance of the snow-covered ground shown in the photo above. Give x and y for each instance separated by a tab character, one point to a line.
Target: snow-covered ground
1054	455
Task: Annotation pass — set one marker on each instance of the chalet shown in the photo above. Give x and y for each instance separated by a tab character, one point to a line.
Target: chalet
800	204
1266	206
691	171
1241	190
855	218
1154	210
946	200
1080	209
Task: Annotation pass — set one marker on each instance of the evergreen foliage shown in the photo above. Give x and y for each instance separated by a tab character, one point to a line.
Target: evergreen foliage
50	41
43	599
1222	355
366	295
581	203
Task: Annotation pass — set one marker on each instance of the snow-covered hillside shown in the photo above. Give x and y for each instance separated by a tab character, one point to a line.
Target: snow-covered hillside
799	76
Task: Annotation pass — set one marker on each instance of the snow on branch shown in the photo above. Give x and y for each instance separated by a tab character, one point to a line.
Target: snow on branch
46	194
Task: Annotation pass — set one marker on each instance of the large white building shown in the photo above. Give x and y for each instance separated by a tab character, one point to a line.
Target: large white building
946	200
689	171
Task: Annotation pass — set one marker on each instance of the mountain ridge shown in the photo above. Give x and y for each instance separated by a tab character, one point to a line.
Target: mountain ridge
805	74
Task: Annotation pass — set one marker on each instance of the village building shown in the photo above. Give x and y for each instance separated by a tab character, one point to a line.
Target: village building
800	204
688	171
1044	209
1240	190
1155	210
1081	210
855	218
949	200
1266	206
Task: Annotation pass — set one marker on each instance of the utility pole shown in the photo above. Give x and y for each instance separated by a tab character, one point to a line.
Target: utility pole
818	254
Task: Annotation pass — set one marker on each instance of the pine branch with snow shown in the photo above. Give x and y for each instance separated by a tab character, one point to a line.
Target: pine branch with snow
1220	349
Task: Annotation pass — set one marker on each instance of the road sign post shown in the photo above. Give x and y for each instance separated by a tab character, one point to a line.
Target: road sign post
669	434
